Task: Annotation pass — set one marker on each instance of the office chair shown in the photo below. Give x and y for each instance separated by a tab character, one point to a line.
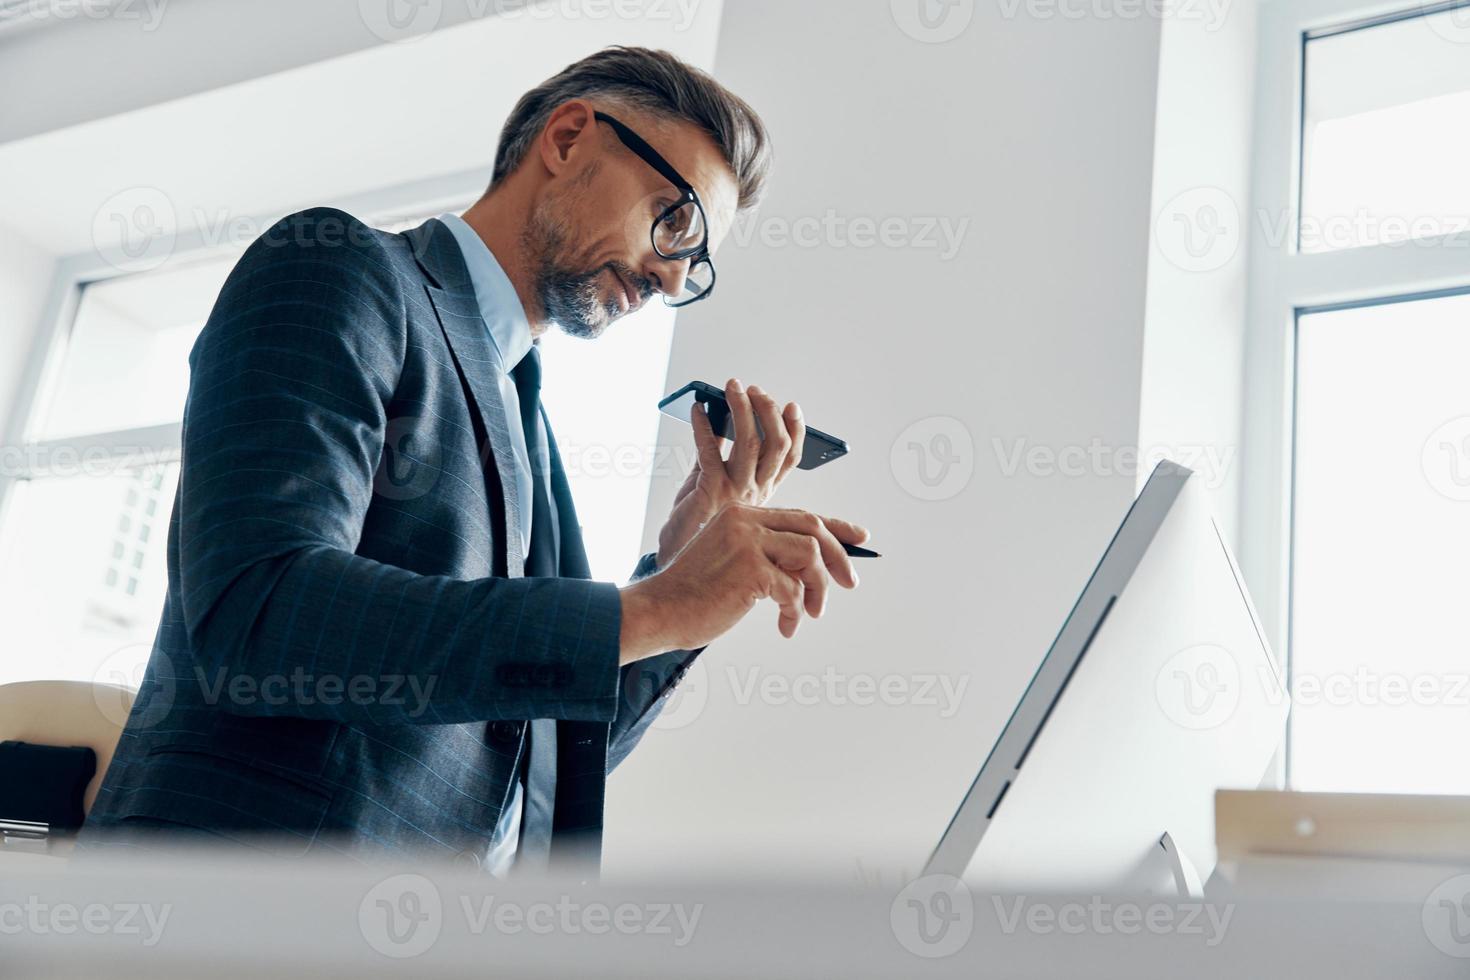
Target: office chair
66	713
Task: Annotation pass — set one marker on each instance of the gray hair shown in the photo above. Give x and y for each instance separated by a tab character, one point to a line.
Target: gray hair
656	82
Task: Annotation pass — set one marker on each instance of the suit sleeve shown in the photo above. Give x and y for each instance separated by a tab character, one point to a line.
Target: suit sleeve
646	686
283	433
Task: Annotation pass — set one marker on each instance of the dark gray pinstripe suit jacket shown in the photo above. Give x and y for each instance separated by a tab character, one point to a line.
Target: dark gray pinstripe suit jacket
348	652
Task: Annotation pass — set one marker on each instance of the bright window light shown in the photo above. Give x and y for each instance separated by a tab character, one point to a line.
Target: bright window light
1386	134
83	571
602	398
1381	677
126	363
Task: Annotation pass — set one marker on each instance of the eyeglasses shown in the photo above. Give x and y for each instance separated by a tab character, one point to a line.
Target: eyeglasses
680	231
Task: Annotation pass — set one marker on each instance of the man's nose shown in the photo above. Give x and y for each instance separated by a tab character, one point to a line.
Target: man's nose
668	273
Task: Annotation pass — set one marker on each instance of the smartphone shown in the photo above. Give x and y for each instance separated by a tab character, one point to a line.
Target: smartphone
819	447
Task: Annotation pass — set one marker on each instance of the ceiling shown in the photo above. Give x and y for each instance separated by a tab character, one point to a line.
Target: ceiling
221	163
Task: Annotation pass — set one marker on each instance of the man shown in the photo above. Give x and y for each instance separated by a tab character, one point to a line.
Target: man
380	634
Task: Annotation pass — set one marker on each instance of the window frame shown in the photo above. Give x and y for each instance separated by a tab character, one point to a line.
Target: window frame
1285	283
52	337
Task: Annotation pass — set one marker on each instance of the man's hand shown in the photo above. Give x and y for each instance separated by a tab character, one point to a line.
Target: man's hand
755	468
742	555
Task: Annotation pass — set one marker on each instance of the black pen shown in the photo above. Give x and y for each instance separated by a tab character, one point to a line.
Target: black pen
856	552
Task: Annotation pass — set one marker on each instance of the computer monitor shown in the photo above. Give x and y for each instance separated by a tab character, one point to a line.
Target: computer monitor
1159	690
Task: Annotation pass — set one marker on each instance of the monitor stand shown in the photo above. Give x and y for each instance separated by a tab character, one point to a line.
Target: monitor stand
1186	878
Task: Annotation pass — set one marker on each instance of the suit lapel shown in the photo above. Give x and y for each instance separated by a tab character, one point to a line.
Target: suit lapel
475	358
582	746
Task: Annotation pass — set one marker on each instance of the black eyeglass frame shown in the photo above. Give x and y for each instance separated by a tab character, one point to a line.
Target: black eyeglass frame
697	254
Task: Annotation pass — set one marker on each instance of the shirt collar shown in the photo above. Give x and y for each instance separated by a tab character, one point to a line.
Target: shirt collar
499	304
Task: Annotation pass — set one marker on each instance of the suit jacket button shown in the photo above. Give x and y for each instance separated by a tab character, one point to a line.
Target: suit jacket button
504	730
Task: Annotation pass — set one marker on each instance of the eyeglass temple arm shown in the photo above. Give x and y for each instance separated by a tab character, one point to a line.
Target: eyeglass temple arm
650	156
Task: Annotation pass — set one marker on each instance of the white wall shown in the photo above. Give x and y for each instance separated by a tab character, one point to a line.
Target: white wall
26	272
1197	275
1037	131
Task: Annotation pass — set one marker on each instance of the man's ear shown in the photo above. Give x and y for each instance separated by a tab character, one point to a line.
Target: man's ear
570	137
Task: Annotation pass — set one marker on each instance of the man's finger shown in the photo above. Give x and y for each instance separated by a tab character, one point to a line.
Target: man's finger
786	591
741	464
846	531
804	522
706	443
776	441
796	429
799	555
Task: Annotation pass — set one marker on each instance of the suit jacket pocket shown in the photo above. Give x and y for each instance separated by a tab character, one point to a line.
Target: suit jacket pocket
303	745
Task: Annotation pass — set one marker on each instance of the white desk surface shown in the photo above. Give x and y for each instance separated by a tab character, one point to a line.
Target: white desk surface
224	920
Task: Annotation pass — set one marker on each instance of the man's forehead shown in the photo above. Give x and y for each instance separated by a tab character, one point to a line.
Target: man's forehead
698	160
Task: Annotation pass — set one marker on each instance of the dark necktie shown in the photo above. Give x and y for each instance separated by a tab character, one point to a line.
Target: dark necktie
541	556
533	851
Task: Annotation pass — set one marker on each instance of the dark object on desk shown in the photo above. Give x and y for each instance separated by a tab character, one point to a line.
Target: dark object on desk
45	783
819	447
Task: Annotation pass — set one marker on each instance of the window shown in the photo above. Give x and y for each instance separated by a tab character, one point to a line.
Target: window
1386	133
602	399
1356	492
1382	535
83	565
